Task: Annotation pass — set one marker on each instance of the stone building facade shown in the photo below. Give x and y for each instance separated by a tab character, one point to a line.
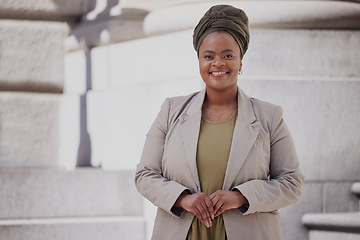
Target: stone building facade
81	82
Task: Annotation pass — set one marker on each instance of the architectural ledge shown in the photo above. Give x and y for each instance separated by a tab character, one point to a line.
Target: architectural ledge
262	14
339	222
356	189
107	28
59	10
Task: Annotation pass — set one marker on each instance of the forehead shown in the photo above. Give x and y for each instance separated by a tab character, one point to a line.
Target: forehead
219	41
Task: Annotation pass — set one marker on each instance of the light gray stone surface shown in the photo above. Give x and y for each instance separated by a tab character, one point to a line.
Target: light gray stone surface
116	66
291	216
323	117
29	129
347	222
287	54
76	78
323	235
39	130
36	193
337	197
129	230
355	188
31	56
45	9
262	14
118	131
107	28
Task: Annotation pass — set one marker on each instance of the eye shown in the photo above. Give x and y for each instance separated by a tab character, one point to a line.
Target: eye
208	57
228	56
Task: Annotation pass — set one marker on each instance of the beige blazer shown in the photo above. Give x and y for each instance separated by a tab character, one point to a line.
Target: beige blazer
262	165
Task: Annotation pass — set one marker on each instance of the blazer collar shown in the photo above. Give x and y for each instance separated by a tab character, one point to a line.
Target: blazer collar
245	134
195	108
191	120
245	109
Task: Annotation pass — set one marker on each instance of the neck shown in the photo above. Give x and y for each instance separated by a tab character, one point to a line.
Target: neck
221	98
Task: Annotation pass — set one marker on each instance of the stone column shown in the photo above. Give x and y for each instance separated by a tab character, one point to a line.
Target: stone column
31	82
43	130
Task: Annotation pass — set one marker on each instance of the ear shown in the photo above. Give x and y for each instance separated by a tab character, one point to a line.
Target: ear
240	68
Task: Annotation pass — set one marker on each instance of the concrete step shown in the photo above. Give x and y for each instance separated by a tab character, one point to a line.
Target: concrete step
39	193
91	228
331	226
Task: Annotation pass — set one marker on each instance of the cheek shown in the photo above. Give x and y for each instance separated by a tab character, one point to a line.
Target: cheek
203	67
236	67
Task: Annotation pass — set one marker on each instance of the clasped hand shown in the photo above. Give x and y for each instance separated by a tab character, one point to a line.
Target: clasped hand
206	208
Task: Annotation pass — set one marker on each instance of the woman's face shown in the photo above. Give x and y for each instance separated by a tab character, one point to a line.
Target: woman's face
219	61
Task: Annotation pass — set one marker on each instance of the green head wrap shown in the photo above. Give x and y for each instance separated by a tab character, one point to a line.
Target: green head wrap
223	18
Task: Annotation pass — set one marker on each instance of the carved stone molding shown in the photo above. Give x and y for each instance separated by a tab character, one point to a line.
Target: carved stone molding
262	14
44	9
110	21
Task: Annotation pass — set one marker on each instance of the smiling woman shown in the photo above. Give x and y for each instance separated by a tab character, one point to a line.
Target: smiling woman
217	163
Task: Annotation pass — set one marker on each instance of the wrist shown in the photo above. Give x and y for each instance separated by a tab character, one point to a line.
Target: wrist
242	200
178	202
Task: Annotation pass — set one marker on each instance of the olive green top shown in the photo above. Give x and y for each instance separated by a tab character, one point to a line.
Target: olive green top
212	157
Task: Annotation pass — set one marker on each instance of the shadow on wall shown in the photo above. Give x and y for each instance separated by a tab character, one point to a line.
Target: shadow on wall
84	151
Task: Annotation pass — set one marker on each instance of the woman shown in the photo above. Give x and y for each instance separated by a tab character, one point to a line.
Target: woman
217	163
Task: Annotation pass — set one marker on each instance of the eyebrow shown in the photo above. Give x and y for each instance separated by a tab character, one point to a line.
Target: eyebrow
226	50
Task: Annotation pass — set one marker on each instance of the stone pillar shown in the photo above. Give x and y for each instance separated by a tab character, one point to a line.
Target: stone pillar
31	82
44	79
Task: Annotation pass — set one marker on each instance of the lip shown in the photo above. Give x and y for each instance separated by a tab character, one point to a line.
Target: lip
218	73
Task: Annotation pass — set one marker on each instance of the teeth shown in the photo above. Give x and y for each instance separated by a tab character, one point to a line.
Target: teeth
218	73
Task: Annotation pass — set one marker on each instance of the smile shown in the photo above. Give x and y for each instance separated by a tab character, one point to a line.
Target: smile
218	74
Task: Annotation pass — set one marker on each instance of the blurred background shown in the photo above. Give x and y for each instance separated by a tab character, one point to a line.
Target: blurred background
81	81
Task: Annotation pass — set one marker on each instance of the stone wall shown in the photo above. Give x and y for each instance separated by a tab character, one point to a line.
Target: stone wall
32	82
43	129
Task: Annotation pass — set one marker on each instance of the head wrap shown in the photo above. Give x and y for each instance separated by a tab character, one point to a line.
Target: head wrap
223	18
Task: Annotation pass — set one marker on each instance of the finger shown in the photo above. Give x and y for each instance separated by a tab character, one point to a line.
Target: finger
205	214
215	200
217	208
202	208
220	211
201	204
212	195
210	207
198	215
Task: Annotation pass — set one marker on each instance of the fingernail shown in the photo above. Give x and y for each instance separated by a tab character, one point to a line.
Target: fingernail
207	225
212	217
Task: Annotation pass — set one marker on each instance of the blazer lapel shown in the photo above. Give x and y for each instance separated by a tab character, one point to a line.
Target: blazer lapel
245	134
190	127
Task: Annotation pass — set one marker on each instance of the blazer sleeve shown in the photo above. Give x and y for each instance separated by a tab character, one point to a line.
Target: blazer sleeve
149	179
284	185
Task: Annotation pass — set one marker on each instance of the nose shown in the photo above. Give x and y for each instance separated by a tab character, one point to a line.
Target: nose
218	62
